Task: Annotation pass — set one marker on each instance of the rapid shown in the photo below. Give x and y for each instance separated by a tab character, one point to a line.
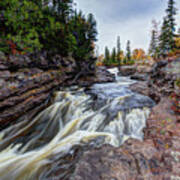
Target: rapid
106	113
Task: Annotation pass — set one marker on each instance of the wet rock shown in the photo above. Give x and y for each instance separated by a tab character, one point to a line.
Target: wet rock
127	70
101	75
27	84
144	68
140	77
162	78
157	157
30	80
140	87
161	81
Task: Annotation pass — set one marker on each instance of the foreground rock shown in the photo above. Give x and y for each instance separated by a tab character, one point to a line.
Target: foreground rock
161	81
27	84
158	157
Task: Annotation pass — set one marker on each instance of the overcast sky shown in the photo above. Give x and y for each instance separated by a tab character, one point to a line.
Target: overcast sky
130	19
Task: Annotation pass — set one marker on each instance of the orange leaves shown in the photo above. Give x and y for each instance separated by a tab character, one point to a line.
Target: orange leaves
139	54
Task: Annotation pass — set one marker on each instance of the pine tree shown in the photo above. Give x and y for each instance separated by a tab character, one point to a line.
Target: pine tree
85	32
107	56
128	52
164	45
153	49
113	56
171	12
166	39
118	50
63	8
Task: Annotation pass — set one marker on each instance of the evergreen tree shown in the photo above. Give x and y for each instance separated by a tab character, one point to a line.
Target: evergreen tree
164	45
171	12
118	50
85	32
113	56
128	52
50	26
153	49
107	56
166	39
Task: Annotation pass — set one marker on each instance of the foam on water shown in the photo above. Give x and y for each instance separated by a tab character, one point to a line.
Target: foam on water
27	148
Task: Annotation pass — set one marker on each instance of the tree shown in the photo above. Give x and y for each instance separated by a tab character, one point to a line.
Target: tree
164	44
167	38
171	12
118	50
128	52
113	56
85	32
107	56
153	49
138	54
63	9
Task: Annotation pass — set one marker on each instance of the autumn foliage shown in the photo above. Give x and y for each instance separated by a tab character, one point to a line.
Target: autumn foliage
139	54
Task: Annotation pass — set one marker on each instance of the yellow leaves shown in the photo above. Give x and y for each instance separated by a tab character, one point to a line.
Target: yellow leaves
177	41
139	54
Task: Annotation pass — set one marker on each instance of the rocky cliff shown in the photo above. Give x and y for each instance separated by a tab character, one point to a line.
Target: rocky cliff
27	83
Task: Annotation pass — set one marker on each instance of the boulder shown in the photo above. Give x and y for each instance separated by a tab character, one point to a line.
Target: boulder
163	76
139	77
127	70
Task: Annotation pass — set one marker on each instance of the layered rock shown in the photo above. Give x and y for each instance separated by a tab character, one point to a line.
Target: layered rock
27	83
158	156
161	80
127	70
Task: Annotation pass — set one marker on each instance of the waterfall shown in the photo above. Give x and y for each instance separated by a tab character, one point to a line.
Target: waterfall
105	114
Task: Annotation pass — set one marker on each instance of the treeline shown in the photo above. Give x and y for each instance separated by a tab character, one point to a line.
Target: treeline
117	56
54	26
165	42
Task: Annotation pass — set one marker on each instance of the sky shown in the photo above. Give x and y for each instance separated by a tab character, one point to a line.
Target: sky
129	19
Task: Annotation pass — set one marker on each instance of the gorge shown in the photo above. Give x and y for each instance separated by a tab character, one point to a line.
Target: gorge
102	114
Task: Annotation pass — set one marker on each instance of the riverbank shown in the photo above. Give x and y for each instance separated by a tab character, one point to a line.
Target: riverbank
27	84
158	156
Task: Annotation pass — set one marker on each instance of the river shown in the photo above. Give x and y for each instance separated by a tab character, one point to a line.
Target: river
106	113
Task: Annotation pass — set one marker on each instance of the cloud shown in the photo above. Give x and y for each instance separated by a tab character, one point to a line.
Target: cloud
130	19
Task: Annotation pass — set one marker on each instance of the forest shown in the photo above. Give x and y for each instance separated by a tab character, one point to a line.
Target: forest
165	42
54	27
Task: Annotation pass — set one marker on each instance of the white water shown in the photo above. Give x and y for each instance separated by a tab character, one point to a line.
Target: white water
27	148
